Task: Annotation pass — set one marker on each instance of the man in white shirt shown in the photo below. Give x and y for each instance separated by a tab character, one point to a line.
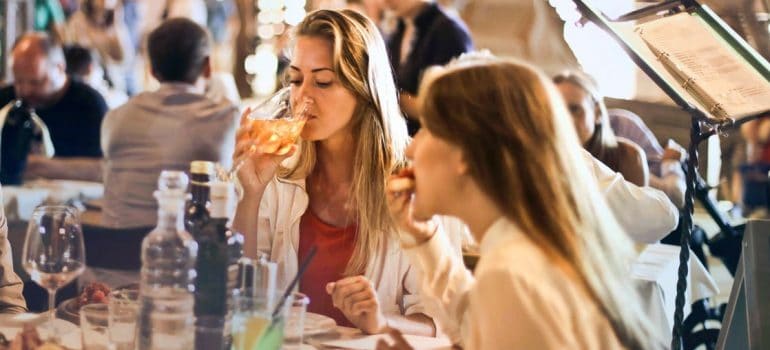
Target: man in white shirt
164	129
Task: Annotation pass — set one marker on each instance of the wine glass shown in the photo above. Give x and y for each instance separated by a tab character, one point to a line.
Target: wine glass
53	251
275	125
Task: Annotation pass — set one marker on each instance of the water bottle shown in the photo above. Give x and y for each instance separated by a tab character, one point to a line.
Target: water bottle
166	319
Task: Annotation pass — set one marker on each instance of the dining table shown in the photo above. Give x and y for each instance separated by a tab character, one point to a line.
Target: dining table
337	337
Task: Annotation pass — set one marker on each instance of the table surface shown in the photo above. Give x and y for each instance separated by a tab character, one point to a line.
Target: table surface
337	339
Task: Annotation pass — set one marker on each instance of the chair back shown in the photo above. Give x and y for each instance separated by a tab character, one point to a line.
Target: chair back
112	248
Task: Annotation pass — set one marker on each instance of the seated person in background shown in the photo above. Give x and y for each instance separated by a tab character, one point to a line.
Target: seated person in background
164	129
498	151
594	131
71	110
645	213
426	35
100	25
751	184
83	64
665	165
11	299
332	193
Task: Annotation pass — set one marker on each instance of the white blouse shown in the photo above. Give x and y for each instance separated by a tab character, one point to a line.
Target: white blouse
516	299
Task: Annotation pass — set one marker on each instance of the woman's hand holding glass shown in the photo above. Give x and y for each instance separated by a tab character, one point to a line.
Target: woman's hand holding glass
255	167
398	192
267	135
357	299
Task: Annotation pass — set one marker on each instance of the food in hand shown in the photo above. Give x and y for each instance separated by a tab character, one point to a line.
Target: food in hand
94	293
403	182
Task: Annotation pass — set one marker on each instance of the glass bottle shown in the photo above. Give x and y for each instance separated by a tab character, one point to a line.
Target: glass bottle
168	273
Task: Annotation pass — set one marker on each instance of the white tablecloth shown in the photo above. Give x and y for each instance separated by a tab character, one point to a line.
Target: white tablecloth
19	202
656	271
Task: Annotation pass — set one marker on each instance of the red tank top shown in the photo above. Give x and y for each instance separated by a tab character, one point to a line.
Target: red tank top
335	247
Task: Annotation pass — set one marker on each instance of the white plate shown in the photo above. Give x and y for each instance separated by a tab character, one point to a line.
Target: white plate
318	324
12	324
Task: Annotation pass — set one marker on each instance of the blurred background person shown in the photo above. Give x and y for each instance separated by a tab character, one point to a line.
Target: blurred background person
425	36
100	25
83	64
49	17
591	121
164	129
71	110
664	164
751	184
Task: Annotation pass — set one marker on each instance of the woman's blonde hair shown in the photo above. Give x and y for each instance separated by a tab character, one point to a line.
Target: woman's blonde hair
379	129
603	144
517	137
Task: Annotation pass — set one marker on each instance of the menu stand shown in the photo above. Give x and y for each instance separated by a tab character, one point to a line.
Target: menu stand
703	124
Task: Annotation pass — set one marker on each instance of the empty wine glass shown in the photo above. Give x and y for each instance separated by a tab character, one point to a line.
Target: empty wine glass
274	126
53	251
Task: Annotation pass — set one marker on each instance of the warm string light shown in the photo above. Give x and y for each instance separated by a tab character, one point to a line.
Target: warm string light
273	19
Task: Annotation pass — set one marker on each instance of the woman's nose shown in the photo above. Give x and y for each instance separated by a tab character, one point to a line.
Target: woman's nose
302	90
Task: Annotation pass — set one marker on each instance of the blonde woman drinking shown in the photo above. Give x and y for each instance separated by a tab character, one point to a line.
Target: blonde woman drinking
332	194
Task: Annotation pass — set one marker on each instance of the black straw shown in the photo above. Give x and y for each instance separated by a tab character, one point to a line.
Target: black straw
300	272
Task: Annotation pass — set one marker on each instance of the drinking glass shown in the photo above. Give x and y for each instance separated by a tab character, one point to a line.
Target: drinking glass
274	126
53	252
124	310
295	321
253	326
94	325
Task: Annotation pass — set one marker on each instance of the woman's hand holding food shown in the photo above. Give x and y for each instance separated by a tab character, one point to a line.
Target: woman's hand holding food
398	192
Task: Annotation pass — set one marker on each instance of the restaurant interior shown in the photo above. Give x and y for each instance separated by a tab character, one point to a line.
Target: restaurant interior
303	174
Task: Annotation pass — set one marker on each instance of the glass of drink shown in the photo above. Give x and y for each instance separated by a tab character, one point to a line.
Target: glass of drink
123	312
53	252
94	321
274	125
295	321
254	326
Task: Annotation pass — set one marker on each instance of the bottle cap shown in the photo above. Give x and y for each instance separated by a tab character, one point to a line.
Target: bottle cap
201	167
171	180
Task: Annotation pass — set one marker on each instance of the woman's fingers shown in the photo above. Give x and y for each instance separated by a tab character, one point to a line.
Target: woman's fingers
399	183
349	292
350	300
346	287
398	191
245	116
359	308
242	148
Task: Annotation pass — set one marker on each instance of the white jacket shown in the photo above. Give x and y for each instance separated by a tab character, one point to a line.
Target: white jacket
395	279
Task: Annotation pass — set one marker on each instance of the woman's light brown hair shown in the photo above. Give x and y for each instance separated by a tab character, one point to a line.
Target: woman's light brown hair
522	150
